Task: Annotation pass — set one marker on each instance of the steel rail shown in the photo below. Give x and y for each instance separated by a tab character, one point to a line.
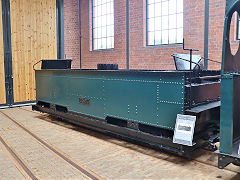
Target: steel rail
84	171
16	160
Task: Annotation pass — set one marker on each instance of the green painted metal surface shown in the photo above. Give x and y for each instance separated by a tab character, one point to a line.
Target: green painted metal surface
226	120
152	98
227	82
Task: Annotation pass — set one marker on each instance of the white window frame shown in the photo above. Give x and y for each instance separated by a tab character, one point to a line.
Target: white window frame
102	24
159	28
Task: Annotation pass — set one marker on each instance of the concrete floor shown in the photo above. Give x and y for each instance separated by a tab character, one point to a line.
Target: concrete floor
36	146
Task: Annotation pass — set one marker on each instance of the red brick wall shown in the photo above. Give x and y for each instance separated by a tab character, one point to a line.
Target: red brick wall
159	57
216	23
194	16
142	56
90	58
71	32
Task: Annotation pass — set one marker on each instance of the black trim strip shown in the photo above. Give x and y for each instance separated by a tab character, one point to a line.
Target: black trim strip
7	44
127	34
80	33
60	28
206	32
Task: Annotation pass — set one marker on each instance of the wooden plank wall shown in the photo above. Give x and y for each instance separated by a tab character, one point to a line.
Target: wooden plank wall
2	73
33	26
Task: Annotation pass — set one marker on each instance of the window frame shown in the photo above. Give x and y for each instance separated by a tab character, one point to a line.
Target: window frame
93	27
147	36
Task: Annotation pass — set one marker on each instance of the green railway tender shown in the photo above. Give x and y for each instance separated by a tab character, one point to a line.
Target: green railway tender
174	110
140	105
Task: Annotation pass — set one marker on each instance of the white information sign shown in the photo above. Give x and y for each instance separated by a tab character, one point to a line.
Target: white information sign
239	150
184	129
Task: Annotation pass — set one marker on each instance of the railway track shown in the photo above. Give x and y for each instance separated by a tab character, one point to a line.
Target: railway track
28	174
195	160
88	174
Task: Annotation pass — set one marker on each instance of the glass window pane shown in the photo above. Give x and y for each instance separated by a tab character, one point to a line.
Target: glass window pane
172	6
150	1
96	22
150	38
158	23
104	20
104	43
180	20
95	46
99	33
158	37
104	9
172	21
111	19
108	6
158	9
165	37
108	19
104	32
95	12
110	30
180	35
95	35
112	8
99	10
165	22
156	1
99	21
165	8
172	36
151	24
98	2
110	42
179	6
99	44
150	10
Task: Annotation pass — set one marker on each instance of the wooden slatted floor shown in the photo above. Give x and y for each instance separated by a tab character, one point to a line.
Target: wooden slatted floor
36	146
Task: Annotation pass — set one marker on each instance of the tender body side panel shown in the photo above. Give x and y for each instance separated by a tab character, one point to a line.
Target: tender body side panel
151	98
